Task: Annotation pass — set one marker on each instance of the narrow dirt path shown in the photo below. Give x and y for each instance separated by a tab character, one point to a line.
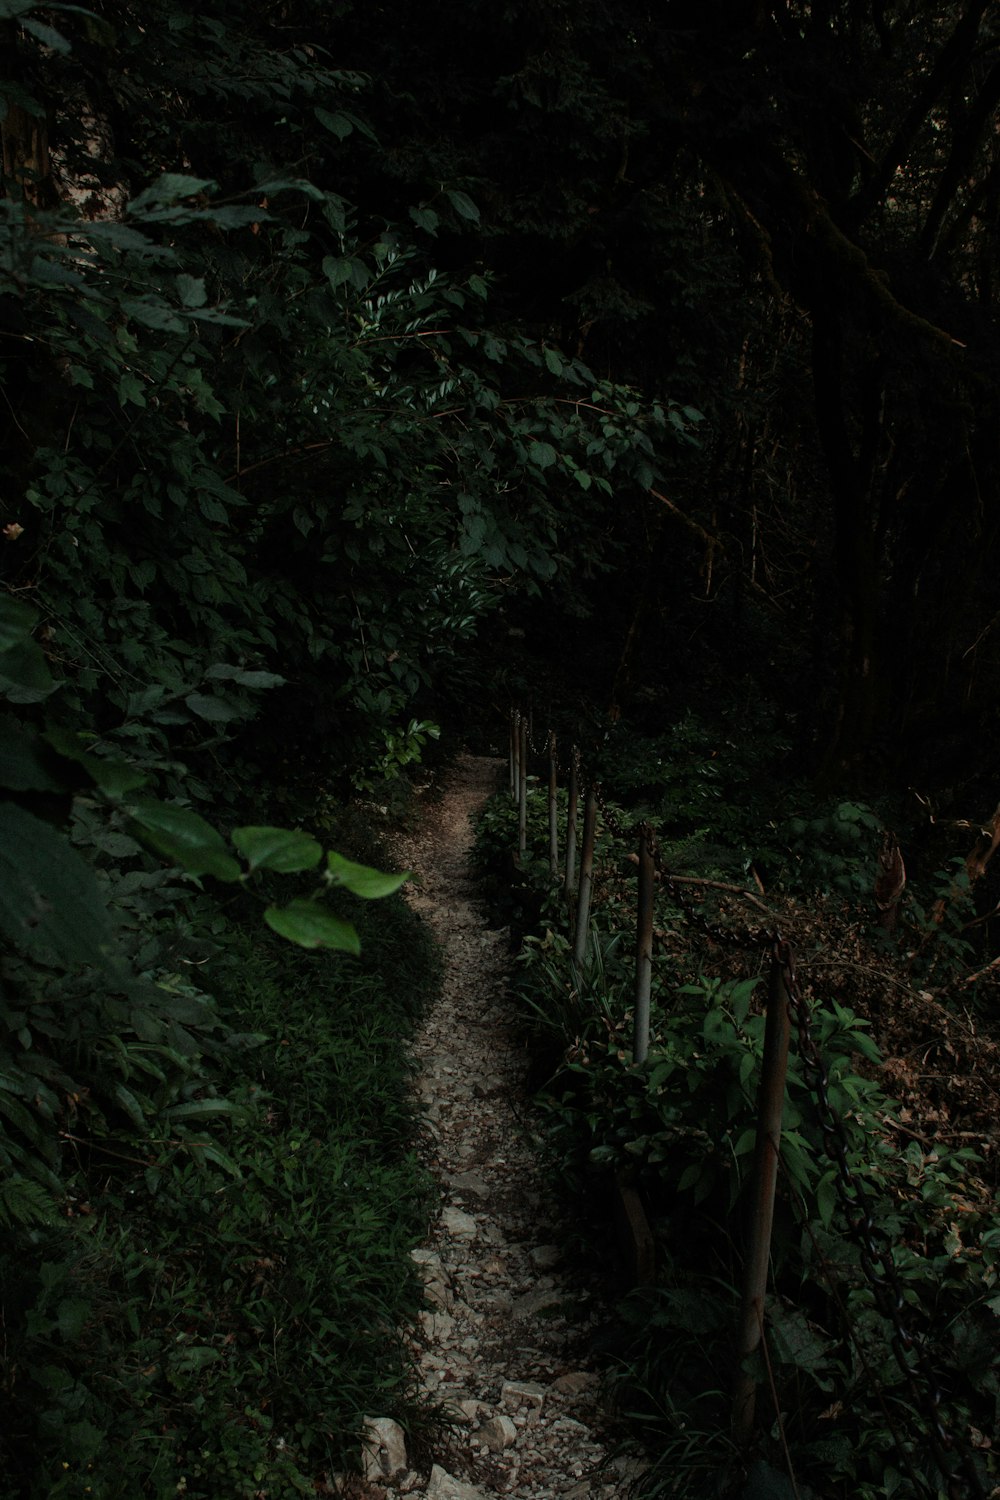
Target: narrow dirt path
505	1342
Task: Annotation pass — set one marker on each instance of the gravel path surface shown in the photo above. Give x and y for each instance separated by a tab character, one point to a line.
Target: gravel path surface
505	1340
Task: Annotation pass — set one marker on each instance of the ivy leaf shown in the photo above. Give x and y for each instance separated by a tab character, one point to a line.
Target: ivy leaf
282	849
184	837
310	926
362	880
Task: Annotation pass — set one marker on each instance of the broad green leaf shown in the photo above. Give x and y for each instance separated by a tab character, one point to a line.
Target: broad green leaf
543	455
201	1109
170	186
17	621
113	777
463	205
50	903
47	35
338	124
282	849
215	710
362	880
208	1151
23	763
24	672
310	926
72	1317
130	388
338	270
184	837
554	362
191	290
250	679
289	185
425	219
153	312
130	1105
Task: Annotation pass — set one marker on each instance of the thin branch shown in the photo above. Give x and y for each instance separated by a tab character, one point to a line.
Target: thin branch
722	885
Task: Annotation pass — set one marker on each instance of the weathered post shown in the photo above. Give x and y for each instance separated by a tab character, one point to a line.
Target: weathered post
586	881
572	796
770	1105
643	945
553	809
522	789
512	753
516	739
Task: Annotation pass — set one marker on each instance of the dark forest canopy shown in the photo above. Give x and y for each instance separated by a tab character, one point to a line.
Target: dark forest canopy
783	217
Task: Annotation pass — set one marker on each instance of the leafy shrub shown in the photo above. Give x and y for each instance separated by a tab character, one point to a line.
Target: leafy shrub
681	1124
218	1313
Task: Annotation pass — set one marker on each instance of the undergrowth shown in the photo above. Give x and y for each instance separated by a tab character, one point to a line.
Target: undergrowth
216	1319
835	1418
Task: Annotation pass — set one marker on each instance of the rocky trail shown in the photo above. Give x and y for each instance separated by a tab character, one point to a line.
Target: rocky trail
505	1342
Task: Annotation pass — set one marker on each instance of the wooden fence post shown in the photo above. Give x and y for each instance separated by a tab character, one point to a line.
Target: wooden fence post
553	809
643	946
571	803
522	789
512	753
515	740
770	1106
586	881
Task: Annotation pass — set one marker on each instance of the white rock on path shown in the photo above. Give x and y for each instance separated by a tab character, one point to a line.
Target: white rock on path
459	1224
498	1433
441	1486
383	1448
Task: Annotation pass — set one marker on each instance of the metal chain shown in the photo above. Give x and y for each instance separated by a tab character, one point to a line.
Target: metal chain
951	1455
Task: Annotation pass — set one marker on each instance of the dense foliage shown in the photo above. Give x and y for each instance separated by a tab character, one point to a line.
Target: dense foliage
266	468
361	367
835	1416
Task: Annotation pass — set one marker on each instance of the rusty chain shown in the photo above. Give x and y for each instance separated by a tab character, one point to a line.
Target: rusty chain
951	1454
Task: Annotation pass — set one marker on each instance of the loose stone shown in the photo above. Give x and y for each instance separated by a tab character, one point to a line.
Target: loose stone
383	1448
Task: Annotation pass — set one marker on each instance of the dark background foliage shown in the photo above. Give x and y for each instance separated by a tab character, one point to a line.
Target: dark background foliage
366	366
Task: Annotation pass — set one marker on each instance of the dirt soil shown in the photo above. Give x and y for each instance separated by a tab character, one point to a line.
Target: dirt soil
505	1344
